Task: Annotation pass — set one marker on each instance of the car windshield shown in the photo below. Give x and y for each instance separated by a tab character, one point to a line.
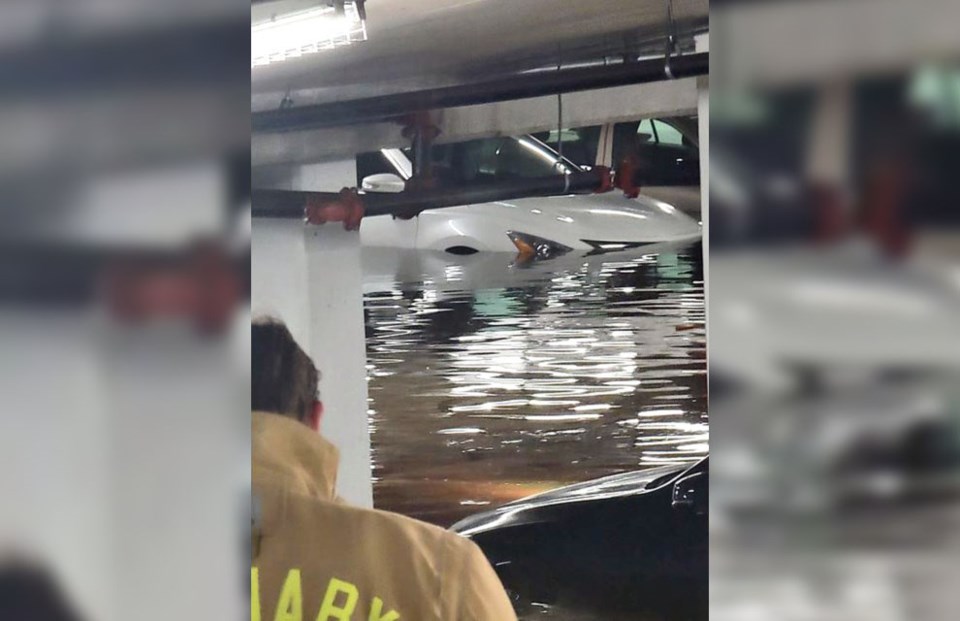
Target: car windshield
496	159
577	144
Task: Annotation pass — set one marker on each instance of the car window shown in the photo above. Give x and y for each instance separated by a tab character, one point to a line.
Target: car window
486	159
500	158
373	163
474	160
654	131
579	143
553	136
665	157
524	158
645	132
668	134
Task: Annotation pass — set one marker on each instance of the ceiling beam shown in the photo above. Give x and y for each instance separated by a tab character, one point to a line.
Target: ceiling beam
518	86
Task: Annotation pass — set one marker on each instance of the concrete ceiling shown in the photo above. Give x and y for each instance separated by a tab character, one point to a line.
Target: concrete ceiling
420	43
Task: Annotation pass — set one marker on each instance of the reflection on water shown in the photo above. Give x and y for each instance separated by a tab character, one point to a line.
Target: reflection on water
489	383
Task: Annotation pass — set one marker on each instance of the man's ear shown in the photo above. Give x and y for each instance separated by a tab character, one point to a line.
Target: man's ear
316	413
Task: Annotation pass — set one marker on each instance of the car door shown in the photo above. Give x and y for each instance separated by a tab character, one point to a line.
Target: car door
669	160
667	157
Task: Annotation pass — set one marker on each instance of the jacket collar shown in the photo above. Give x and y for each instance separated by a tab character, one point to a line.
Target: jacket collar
288	453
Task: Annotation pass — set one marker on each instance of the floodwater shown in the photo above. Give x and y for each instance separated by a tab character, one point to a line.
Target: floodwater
489	381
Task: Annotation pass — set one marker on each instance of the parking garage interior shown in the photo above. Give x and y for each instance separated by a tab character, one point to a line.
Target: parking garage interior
522	308
552	275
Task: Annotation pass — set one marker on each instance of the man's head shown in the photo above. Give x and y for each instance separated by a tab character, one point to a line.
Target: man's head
284	380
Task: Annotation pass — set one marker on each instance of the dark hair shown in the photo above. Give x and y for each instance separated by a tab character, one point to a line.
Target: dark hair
283	379
29	592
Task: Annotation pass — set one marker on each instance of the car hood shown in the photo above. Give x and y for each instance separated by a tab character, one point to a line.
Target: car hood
612	217
618	485
581	221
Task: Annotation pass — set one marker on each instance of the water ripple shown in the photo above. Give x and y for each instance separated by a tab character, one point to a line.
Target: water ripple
488	383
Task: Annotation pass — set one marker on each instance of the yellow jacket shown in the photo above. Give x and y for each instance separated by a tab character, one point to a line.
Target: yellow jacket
316	559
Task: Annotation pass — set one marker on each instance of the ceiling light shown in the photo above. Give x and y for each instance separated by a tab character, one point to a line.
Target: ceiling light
306	32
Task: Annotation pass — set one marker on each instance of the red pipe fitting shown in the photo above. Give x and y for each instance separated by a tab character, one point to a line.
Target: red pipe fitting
347	208
606	179
625	174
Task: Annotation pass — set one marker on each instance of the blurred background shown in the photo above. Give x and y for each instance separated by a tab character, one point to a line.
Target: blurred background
833	310
124	167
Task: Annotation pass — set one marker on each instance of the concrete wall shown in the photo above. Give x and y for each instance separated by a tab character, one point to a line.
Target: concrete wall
504	118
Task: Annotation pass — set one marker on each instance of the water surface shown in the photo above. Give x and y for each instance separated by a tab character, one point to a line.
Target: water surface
490	381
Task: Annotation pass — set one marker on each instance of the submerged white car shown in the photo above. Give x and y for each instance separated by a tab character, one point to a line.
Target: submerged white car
542	226
668	150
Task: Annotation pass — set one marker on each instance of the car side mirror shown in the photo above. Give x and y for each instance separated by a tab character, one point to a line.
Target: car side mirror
383	182
691	494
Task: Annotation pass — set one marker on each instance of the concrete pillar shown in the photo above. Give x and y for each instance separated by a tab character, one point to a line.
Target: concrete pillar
338	347
279	275
310	277
703	120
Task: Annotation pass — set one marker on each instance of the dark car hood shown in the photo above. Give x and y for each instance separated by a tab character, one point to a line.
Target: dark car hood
524	511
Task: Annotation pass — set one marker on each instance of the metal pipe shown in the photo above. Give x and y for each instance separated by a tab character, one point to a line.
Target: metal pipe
291	203
518	86
420	157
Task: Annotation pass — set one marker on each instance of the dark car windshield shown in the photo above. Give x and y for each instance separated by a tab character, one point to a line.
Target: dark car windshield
495	159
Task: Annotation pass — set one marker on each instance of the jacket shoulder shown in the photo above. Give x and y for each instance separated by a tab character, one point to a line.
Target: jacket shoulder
467	587
421	570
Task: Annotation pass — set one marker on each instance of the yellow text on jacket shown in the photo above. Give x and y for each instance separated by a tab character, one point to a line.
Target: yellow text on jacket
338	604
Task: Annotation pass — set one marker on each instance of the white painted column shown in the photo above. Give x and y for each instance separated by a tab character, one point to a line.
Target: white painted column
337	336
279	275
310	277
703	121
338	347
703	124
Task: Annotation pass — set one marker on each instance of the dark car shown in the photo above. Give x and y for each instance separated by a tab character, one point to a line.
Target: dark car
631	545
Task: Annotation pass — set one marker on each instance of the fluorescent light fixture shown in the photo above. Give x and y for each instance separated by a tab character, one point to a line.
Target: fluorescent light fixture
306	32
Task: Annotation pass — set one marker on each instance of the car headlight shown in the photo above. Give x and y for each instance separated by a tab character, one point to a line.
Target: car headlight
533	248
